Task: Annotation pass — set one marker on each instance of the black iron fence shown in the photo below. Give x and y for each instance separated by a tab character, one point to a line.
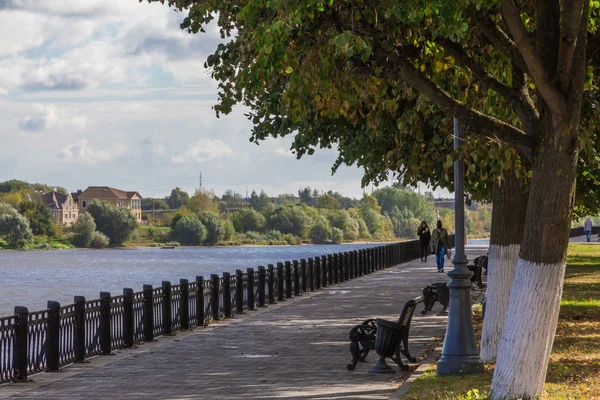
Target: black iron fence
46	340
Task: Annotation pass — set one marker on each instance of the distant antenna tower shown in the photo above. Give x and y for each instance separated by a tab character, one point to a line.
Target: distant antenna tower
200	181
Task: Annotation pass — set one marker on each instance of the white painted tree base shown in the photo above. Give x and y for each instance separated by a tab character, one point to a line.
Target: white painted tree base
529	330
502	263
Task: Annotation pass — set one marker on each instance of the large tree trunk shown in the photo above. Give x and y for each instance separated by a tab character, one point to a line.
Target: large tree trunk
532	314
508	219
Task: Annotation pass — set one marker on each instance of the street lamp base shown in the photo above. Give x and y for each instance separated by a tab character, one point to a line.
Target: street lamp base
459	365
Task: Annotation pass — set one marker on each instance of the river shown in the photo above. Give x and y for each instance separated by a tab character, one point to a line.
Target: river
31	278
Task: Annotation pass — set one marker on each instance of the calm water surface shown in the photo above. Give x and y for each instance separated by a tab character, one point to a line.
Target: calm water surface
32	278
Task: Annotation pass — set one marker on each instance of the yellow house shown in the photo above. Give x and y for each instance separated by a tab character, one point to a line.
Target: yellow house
120	198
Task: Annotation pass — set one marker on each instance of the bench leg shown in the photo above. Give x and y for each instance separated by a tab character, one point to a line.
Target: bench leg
405	351
355	351
398	360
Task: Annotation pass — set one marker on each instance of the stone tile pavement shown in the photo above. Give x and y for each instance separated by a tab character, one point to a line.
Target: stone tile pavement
295	349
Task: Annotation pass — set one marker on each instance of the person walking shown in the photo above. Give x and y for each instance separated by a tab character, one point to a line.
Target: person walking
424	238
587	229
439	245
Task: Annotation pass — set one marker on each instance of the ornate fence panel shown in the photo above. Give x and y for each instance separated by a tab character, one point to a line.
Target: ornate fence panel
207	301
176	306
116	322
67	335
92	328
157	307
37	326
138	316
193	298
7	342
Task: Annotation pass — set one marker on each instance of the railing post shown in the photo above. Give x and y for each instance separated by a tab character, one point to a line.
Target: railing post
20	343
184	284
148	313
227	294
349	256
280	277
304	275
272	282
333	268
312	272
289	293
214	297
128	323
79	331
105	325
296	275
251	302
167	320
262	281
239	291
359	265
354	255
326	267
53	337
200	306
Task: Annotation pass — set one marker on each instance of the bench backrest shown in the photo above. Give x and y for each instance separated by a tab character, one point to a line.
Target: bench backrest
407	313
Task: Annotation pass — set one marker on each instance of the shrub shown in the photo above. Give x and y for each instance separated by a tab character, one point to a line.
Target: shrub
83	230
115	222
16	230
252	235
229	230
162	236
320	231
190	231
290	219
337	235
99	241
291	239
274	235
7	209
214	228
248	220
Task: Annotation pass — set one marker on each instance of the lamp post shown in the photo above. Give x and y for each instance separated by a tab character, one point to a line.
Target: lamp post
459	355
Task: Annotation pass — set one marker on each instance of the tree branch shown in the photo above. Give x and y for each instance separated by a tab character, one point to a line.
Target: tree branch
535	66
525	111
478	122
570	21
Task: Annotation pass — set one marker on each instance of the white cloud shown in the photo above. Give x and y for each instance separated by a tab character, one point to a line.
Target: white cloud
45	117
282	151
203	150
82	152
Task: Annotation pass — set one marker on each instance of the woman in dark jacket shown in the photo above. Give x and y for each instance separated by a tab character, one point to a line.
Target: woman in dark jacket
424	237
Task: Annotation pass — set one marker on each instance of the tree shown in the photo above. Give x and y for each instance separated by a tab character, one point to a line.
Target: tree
203	201
229	230
7	209
327	202
290	219
177	198
189	231
83	230
337	236
39	216
16	229
305	196
214	228
248	220
320	232
515	77
117	223
342	220
99	241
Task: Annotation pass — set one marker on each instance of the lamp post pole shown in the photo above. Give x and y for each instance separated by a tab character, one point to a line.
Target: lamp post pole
459	355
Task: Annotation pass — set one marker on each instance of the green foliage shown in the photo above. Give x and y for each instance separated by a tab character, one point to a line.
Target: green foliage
16	185
320	231
177	198
228	230
203	201
290	219
274	235
342	220
7	209
15	229
248	220
39	216
327	202
189	231
83	230
117	223
261	203
215	231
99	241
406	209
337	235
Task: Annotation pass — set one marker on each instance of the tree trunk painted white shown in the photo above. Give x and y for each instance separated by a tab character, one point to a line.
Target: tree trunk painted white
502	263
529	330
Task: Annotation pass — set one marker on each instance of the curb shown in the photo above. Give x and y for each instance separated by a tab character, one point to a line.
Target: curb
407	384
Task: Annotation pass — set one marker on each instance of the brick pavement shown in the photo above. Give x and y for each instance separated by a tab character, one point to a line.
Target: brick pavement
295	349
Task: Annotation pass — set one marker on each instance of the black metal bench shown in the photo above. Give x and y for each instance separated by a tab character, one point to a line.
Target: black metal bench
477	267
362	337
433	293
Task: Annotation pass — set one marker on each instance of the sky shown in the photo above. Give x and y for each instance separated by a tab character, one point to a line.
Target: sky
113	93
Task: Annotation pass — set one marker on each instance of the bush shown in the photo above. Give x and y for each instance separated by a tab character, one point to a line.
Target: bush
252	235
189	231
16	230
290	219
291	239
229	231
7	209
320	231
83	230
162	236
214	228
115	222
274	235
337	235
248	220
99	241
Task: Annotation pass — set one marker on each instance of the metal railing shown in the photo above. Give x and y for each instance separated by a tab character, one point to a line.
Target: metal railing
49	339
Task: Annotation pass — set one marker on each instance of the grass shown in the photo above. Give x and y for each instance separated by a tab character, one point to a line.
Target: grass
574	369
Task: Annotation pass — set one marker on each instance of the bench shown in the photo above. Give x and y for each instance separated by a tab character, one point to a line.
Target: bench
362	337
477	267
433	293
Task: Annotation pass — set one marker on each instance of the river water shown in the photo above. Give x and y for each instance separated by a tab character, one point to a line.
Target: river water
32	278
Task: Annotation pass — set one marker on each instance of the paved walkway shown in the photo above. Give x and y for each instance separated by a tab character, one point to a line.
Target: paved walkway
295	349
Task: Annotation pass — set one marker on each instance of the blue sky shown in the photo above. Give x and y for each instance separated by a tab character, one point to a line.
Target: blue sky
112	92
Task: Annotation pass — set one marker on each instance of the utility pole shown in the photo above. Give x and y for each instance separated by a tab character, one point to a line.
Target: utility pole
200	181
152	222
